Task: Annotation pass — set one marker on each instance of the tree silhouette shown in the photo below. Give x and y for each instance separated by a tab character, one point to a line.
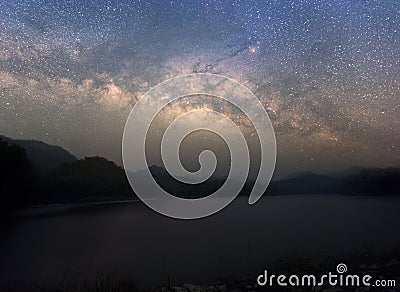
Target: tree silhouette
92	177
16	175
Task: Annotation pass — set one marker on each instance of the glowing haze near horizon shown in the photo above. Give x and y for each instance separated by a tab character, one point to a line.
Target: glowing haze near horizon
328	72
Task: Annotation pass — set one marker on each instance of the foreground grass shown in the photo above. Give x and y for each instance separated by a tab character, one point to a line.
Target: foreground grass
380	265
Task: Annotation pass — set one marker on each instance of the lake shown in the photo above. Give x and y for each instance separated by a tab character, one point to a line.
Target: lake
50	244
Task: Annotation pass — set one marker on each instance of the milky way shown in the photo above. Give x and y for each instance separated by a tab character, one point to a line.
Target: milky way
328	72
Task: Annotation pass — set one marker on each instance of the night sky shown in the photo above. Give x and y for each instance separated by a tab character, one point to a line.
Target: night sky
328	72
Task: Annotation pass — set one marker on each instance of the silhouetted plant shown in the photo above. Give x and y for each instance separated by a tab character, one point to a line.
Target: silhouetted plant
16	175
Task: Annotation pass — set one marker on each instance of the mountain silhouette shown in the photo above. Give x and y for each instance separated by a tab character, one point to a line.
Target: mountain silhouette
91	178
17	177
34	172
311	183
43	157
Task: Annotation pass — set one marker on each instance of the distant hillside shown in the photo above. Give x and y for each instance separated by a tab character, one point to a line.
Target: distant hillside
348	172
353	181
311	183
17	178
43	157
33	172
90	178
376	181
177	188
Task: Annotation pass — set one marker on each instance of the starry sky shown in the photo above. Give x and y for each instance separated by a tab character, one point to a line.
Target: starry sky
327	71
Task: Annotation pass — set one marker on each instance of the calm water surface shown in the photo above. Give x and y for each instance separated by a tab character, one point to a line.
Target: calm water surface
55	243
